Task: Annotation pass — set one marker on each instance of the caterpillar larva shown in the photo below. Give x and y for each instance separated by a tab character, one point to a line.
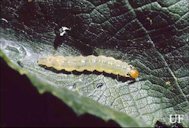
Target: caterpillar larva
90	63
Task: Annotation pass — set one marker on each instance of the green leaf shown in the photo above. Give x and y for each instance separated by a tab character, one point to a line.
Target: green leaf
152	36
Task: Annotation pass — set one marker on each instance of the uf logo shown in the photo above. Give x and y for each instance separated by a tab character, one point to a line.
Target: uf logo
176	118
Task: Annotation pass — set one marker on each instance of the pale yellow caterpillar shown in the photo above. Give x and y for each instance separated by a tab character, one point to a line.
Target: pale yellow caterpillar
90	63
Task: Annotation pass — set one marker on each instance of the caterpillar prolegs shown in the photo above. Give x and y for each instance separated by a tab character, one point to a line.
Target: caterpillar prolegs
90	63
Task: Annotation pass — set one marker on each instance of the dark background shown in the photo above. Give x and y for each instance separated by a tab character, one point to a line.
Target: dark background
22	105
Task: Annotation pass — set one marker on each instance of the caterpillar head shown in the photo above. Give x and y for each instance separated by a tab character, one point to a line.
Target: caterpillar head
134	73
